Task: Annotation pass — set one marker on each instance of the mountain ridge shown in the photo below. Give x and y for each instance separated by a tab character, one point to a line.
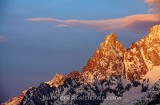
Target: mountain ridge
110	62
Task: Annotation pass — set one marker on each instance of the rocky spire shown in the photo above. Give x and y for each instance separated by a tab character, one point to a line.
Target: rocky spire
106	58
111	38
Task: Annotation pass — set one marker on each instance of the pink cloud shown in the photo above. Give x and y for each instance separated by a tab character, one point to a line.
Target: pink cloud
136	21
105	24
62	25
41	19
154	3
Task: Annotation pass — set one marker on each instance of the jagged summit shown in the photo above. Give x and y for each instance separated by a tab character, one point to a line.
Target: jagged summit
112	41
111	38
155	30
56	80
110	49
73	74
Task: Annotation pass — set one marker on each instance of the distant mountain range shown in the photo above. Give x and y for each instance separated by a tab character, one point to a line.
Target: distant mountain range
112	76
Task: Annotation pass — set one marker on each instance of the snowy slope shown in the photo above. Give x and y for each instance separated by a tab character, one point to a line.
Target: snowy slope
153	75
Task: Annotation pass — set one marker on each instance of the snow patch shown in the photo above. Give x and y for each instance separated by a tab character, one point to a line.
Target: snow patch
153	75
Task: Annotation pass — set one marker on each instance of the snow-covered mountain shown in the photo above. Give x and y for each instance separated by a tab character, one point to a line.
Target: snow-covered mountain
112	76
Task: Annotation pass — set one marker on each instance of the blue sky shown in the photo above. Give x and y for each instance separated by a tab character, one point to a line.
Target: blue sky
38	40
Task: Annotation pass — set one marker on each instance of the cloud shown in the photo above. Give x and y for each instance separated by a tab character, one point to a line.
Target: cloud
136	21
106	24
42	19
62	25
155	5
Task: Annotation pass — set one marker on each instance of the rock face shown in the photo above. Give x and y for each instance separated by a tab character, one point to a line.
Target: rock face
56	80
143	55
112	71
107	60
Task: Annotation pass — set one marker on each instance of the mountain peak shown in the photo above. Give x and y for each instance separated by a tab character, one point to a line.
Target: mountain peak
56	80
111	38
155	29
73	74
106	58
154	34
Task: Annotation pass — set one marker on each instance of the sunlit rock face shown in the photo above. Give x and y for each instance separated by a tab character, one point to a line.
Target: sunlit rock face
111	57
56	80
107	60
112	71
143	55
150	46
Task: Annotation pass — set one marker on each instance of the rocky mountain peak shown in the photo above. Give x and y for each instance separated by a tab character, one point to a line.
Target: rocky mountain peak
155	30
73	74
111	38
56	80
105	60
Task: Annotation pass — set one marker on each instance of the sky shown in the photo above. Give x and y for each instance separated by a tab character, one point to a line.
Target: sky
39	38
